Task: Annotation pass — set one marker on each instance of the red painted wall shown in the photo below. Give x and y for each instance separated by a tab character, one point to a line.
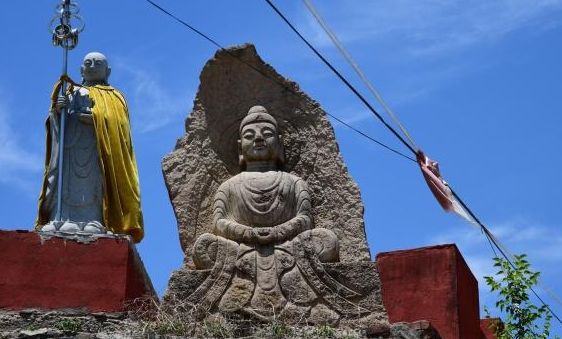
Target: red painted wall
431	283
488	326
54	274
468	299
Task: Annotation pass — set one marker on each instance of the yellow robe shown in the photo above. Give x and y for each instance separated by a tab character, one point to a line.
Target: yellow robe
121	194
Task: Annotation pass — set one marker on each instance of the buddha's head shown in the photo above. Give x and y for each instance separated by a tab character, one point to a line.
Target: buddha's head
260	145
95	69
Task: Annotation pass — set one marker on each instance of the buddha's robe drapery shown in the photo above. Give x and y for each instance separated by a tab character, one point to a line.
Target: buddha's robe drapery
251	201
121	212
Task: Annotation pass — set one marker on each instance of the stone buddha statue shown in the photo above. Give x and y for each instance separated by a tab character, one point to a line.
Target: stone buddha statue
264	253
262	205
272	227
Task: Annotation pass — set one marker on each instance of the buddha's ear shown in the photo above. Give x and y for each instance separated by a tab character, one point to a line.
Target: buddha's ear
241	159
281	153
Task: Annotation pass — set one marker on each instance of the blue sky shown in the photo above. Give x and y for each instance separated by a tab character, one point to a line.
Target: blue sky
477	83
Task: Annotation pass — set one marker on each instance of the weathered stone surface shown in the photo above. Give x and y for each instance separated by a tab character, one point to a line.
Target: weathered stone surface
206	156
366	309
361	277
323	315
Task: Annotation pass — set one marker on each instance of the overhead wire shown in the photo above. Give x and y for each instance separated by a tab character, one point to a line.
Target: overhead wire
342	78
320	20
410	145
504	252
198	32
215	43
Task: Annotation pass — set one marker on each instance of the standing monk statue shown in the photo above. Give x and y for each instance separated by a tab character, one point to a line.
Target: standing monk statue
100	186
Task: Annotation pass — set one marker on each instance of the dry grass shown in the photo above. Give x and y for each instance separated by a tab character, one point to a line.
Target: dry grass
181	320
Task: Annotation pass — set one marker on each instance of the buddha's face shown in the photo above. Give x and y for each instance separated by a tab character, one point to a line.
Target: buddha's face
259	142
95	68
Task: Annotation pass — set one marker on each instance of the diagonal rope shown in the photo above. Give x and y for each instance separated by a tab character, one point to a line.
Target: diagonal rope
341	77
345	53
547	290
198	32
505	253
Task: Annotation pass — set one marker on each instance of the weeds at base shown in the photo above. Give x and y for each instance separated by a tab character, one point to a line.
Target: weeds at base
69	325
181	321
325	331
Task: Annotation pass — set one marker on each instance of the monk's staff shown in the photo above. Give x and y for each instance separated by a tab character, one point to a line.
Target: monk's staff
66	37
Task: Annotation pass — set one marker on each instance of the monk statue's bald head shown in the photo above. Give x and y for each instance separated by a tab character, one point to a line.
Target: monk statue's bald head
260	145
95	69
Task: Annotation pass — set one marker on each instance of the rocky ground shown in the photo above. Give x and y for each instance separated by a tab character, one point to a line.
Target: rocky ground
67	323
80	324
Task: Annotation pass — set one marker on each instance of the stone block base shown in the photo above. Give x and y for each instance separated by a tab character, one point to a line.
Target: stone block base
53	271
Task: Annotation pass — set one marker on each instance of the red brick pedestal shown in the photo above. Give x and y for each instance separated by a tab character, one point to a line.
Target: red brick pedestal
98	275
434	284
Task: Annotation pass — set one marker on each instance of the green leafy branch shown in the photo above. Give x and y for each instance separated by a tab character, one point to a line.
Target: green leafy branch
523	319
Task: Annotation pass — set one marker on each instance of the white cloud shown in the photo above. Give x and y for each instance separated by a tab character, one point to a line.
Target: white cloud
152	106
518	234
481	266
356	117
17	164
433	26
423	45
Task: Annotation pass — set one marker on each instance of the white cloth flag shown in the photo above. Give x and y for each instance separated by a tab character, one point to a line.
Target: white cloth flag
440	189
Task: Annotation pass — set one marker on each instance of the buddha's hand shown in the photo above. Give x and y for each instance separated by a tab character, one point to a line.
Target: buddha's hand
265	235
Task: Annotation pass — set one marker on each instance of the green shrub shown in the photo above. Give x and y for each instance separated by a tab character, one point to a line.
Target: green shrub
523	319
